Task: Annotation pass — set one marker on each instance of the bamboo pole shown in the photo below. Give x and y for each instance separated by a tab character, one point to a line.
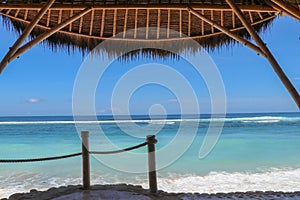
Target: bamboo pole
251	17
48	18
115	23
189	25
59	16
212	19
291	10
47	34
17	12
70	26
202	23
158	23
135	22
92	22
80	25
284	79
196	6
8	11
26	14
102	23
169	22
147	25
125	23
233	19
85	160
282	9
180	23
152	163
24	35
226	31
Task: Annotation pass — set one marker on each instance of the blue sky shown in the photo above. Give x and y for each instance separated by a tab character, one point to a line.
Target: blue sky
41	81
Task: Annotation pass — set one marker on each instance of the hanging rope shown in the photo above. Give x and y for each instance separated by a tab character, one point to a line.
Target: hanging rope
121	150
39	159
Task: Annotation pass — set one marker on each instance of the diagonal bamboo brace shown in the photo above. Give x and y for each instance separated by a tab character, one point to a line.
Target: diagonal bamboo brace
226	31
284	79
47	34
25	34
291	10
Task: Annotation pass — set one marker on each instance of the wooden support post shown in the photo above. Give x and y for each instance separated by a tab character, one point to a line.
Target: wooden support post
25	34
284	79
85	160
152	163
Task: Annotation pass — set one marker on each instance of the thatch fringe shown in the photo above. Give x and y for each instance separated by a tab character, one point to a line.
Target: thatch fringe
71	43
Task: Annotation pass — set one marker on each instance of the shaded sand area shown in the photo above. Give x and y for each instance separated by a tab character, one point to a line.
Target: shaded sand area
123	191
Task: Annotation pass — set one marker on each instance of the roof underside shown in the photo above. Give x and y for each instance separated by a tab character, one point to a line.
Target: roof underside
141	20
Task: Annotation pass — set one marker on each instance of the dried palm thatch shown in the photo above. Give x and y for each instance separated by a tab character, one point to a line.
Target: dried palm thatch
109	18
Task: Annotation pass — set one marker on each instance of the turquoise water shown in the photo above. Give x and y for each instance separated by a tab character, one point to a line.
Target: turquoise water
254	152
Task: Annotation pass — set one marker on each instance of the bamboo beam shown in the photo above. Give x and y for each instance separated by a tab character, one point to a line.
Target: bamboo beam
284	79
158	23
189	25
291	10
17	12
222	18
226	31
102	23
253	8
26	14
25	34
260	16
212	19
251	17
282	9
233	19
59	17
80	25
202	23
135	22
48	18
8	11
115	23
47	34
92	22
180	23
70	26
169	22
147	25
125	23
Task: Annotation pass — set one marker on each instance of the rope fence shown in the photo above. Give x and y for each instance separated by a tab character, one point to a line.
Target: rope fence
39	159
150	142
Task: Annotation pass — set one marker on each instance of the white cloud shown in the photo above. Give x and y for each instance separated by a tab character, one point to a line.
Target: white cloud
297	78
34	100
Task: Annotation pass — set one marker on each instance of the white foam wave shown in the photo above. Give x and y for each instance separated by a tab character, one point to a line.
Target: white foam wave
263	119
285	180
214	182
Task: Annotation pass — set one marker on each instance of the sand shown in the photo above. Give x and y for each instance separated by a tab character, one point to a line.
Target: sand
123	191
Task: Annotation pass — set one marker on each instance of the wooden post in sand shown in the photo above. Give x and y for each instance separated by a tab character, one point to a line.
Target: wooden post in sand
85	160
151	163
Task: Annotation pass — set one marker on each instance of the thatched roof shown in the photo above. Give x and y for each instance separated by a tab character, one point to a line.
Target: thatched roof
108	18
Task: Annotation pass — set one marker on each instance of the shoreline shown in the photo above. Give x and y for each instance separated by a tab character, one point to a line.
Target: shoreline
124	191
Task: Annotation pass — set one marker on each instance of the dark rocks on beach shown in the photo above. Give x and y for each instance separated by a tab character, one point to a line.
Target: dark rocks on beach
138	192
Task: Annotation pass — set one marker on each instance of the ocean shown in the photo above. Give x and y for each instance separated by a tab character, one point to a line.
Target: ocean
255	152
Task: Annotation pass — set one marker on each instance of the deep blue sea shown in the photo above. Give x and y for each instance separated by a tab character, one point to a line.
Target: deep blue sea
254	152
